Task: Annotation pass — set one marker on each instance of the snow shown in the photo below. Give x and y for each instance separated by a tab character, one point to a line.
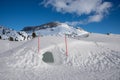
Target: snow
60	29
96	57
45	30
6	33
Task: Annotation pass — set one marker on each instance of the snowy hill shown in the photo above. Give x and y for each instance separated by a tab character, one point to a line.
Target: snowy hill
96	57
56	28
6	33
52	28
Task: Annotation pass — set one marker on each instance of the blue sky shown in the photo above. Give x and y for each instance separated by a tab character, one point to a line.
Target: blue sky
101	16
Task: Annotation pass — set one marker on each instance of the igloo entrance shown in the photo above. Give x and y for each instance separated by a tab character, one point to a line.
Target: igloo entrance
48	57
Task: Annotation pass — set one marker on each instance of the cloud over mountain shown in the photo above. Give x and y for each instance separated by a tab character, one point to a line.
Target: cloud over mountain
95	10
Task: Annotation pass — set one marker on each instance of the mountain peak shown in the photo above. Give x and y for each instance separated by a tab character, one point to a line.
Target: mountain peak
55	28
43	26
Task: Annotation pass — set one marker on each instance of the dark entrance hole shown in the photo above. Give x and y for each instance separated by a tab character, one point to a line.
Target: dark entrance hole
48	57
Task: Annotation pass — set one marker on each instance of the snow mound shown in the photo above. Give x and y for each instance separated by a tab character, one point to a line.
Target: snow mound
88	55
94	58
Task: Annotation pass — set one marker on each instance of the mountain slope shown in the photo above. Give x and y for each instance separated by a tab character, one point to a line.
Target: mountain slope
52	28
56	28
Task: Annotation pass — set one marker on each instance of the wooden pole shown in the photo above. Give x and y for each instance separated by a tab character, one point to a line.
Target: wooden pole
66	46
38	44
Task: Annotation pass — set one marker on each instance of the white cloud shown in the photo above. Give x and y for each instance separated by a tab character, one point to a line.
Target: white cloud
101	11
95	18
94	9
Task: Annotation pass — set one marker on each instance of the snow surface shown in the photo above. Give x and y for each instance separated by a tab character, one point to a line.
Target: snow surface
96	57
6	33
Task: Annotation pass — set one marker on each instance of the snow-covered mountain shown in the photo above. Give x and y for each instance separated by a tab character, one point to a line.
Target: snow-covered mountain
6	33
56	28
52	28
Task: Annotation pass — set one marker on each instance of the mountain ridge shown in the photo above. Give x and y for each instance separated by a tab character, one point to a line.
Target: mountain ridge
51	28
55	28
